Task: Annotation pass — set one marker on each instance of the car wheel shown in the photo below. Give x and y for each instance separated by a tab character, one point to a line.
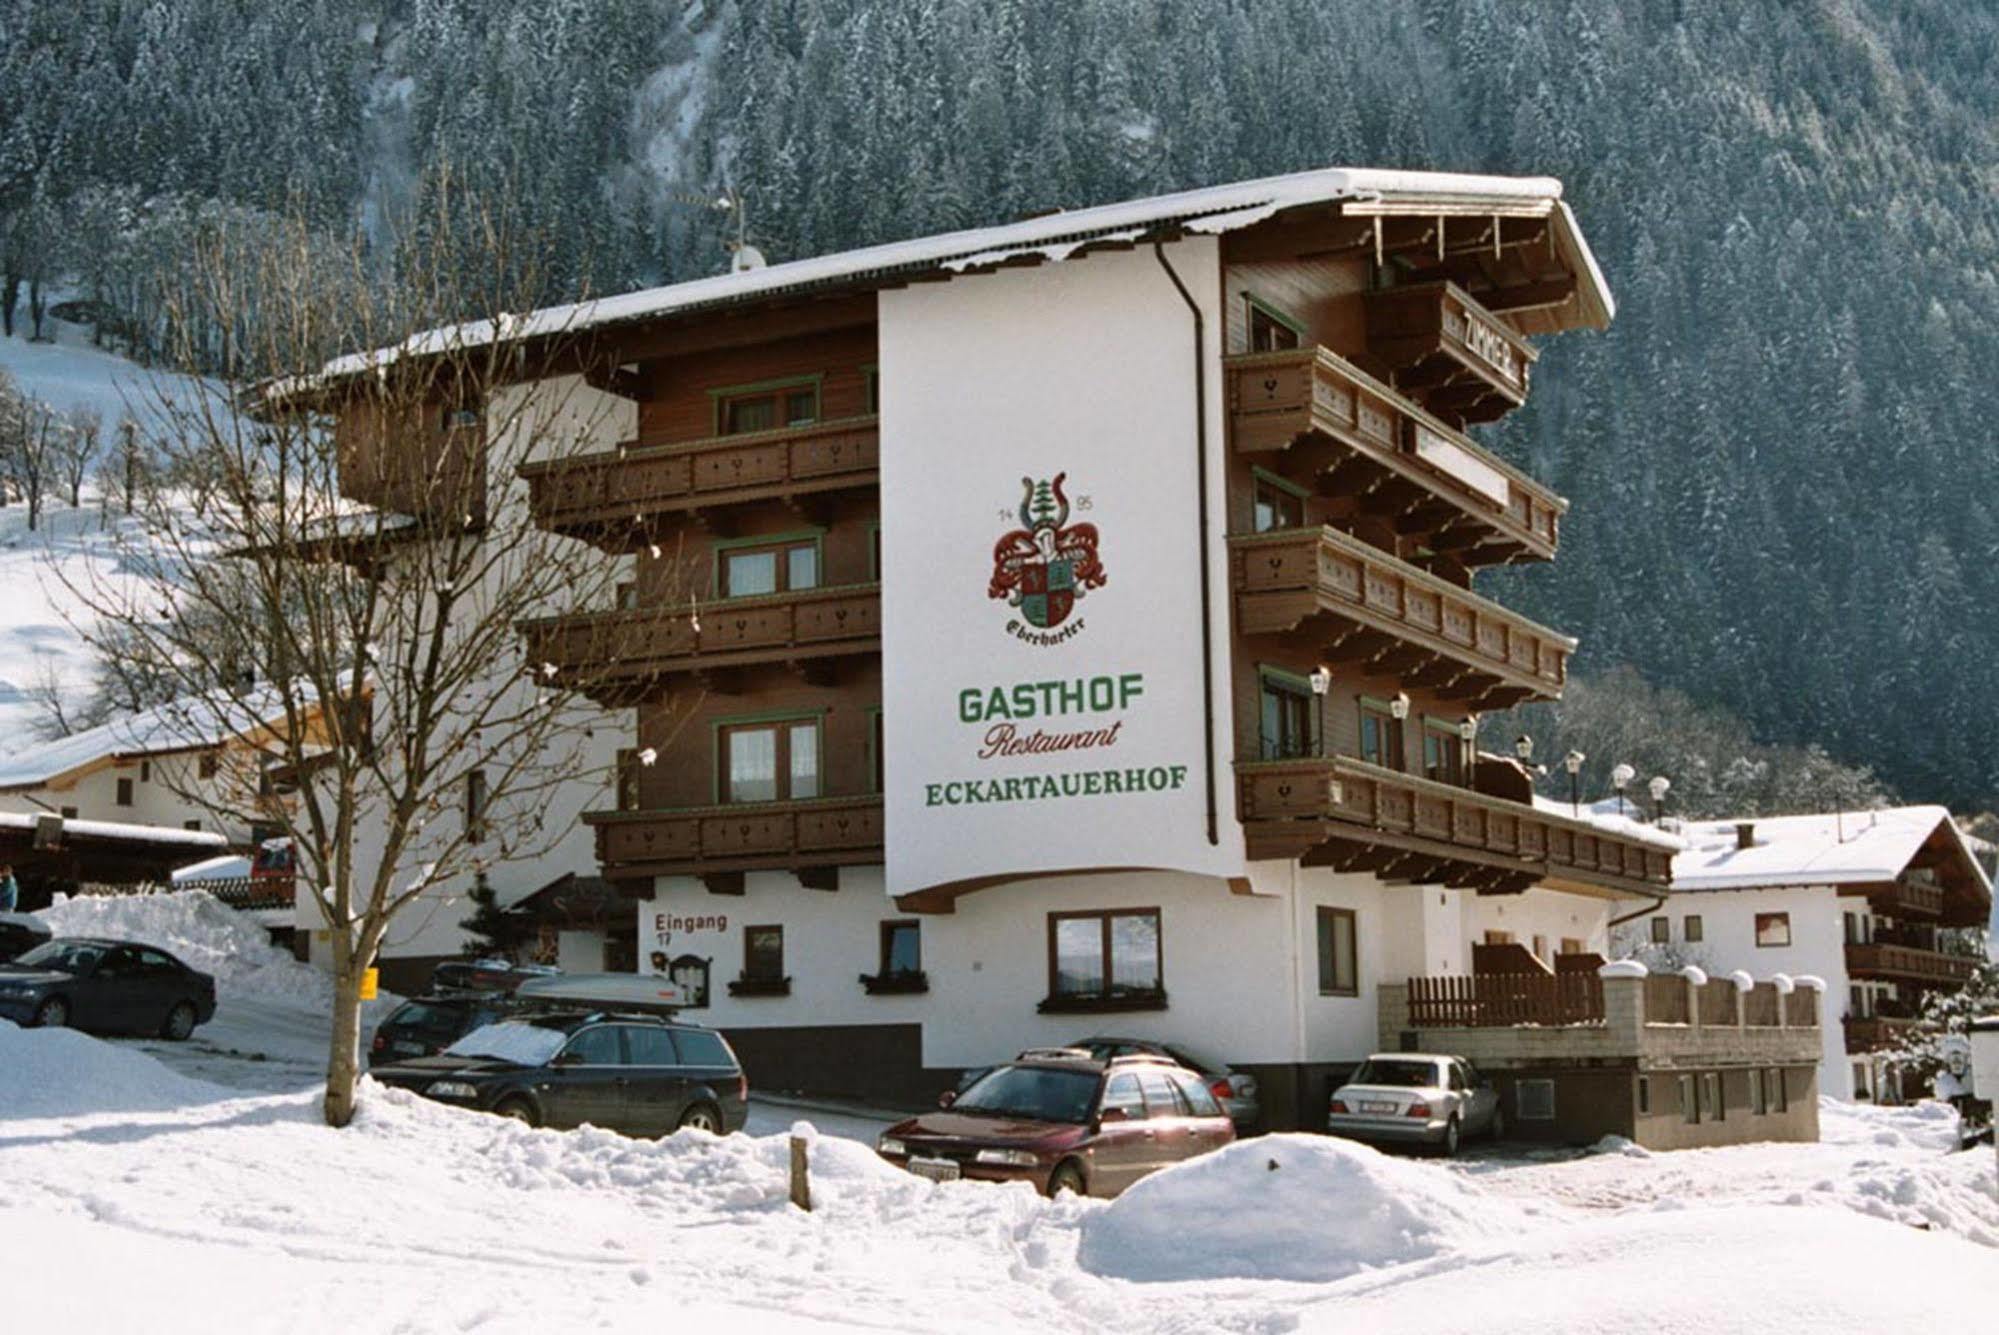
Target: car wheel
180	1023
52	1014
1068	1177
1498	1125
517	1110
701	1117
1449	1145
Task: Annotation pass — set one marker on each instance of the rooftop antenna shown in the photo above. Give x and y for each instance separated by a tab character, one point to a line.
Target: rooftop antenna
743	256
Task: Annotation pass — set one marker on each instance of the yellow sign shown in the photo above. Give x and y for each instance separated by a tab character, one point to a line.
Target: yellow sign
369	978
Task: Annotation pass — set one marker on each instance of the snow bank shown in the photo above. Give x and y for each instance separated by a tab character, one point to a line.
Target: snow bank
1927	1125
63	1073
204	934
1298	1207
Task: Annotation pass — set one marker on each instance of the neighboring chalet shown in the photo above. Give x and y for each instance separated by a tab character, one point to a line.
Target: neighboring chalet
1085	640
1857	898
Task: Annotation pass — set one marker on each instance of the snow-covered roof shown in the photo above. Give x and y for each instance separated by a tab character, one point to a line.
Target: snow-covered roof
181	725
1612	822
1848	848
111	829
1054	236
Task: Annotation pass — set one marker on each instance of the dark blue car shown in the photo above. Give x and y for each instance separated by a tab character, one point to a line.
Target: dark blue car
112	987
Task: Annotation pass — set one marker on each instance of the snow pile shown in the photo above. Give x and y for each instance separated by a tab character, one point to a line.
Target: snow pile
202	933
62	1073
1299	1207
1927	1125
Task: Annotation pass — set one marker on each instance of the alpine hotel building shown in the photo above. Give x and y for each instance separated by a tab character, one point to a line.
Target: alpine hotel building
1084	640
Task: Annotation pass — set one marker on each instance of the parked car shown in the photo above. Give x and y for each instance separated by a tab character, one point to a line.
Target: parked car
1065	1121
20	933
1235	1090
106	987
427	1026
638	1074
1416	1098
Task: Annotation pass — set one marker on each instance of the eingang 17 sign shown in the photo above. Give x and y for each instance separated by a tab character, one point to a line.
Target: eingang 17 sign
1042	678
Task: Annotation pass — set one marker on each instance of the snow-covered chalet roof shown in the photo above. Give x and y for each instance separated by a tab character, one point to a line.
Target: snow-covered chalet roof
120	831
183	725
1054	236
1850	848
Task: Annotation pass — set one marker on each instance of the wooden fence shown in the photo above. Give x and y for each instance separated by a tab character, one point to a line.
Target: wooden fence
1718	1001
1666	1000
1801	1008
1491	1000
1760	1006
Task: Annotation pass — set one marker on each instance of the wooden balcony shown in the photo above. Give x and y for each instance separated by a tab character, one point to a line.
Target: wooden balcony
622	658
617	499
1910	964
1875	1032
1450	354
1344	813
1366	607
1384	457
720	843
1905	898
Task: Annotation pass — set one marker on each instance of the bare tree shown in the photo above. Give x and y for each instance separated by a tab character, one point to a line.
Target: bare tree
344	588
76	449
31	441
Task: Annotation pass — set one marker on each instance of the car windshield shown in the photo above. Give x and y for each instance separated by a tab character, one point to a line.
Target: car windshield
63	956
1036	1093
514	1041
1408	1074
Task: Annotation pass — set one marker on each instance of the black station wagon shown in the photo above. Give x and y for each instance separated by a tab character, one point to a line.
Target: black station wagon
637	1074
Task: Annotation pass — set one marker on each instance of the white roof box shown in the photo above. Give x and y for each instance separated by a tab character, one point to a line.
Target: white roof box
609	991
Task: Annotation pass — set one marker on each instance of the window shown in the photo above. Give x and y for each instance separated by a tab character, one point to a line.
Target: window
626	597
629	769
901	947
595	1046
1286	727
1711	1107
1162	1096
208	764
875	759
69	813
1773	929
1851	924
1494	937
763	954
1574	945
1534	1100
1690	1112
145	771
190	825
1860	1081
646	1046
1443	752
703	1047
1339	970
1200	1100
1856	1001
1662	930
766	407
124	792
1122	1092
874	389
770	762
1380	735
1691	927
1779	1094
776	566
1276	503
475	805
1644	1095
1757	1107
1540	947
1104	956
1269	331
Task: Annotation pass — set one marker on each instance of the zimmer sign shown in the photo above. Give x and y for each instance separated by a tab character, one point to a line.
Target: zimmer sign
1041	694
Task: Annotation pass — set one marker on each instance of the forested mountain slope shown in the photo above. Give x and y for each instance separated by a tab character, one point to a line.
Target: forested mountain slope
1778	455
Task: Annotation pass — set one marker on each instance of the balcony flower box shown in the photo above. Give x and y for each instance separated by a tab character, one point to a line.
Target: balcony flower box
760	987
902	982
1099	1004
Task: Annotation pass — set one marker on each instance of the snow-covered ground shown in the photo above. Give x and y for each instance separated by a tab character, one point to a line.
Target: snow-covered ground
210	1189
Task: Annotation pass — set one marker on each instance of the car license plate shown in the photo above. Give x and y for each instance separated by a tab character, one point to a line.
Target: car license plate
937	1170
406	1049
1377	1107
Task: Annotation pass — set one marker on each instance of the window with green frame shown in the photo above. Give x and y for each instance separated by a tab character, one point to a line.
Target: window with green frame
747	567
1270	330
1275	503
1443	752
745	408
1380	734
1286	725
774	760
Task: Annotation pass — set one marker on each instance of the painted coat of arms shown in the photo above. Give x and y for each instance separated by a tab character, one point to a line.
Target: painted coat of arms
1045	566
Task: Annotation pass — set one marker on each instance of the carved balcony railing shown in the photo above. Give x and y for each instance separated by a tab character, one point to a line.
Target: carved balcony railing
1346	814
615	499
810	836
1905	898
1383	457
1449	353
1872	1032
1881	959
1394	619
621	658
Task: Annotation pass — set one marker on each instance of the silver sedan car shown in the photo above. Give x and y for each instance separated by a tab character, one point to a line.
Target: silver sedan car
1416	1098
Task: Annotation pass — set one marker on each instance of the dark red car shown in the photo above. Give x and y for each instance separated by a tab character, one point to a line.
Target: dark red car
1064	1122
